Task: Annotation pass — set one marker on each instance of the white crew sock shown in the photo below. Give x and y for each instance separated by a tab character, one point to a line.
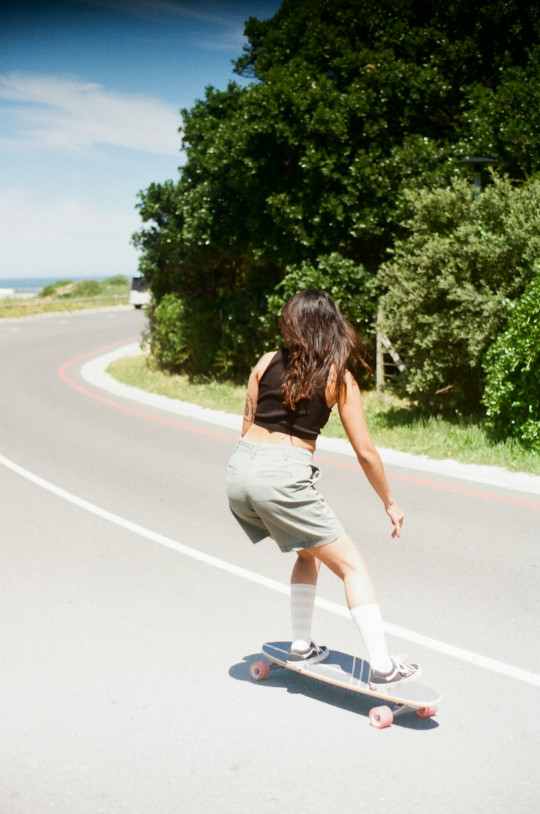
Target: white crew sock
302	604
367	619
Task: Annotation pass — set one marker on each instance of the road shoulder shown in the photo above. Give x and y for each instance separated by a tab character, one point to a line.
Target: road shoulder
95	373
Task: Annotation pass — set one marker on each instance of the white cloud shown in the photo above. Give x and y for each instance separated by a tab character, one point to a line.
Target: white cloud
56	112
205	11
64	238
224	23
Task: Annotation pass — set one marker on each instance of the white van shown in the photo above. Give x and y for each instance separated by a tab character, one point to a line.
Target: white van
139	294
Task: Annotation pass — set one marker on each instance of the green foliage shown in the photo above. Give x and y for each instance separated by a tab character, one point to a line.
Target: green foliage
66	295
118	280
502	119
352	104
450	281
165	336
350	286
241	336
392	423
160	242
67	289
203	339
86	288
512	369
53	289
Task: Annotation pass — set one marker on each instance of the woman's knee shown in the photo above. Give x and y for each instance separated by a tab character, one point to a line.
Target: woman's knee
341	556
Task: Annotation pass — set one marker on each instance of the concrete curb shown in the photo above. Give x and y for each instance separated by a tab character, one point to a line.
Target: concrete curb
95	373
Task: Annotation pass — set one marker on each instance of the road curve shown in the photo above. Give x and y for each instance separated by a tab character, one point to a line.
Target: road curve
132	606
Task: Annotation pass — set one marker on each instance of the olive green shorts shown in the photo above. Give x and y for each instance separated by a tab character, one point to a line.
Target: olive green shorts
271	491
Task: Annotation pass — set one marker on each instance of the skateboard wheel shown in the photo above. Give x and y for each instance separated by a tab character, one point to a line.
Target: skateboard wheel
259	670
426	712
381	717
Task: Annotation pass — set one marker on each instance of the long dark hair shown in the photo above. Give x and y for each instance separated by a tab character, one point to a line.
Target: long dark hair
322	344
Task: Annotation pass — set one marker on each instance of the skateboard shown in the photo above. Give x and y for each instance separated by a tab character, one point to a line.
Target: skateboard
352	673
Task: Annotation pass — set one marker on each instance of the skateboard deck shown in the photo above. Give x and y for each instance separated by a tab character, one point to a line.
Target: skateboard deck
352	673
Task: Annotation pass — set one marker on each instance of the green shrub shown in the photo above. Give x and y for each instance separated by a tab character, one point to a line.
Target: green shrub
67	289
52	289
449	283
207	339
241	338
512	368
86	288
347	282
117	280
165	335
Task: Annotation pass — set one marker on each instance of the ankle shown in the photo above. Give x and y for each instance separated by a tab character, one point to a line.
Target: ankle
300	644
383	665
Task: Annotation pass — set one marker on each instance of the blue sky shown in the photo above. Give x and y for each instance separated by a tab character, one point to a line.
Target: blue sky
90	99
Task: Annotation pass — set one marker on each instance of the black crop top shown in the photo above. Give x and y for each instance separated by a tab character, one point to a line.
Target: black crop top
305	422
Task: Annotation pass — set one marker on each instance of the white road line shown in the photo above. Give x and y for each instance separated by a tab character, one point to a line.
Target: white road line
507	670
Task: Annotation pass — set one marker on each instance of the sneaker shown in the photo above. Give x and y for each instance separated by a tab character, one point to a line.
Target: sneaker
314	654
399	674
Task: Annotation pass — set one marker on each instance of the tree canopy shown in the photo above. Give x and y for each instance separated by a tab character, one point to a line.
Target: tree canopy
350	105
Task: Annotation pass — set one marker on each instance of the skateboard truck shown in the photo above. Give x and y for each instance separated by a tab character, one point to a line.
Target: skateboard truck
352	673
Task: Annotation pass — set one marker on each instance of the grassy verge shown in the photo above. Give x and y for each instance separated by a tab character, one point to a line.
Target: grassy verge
393	424
66	295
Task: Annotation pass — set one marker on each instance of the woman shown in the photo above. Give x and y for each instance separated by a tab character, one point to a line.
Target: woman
271	474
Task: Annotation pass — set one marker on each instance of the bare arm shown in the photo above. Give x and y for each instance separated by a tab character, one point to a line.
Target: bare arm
252	392
351	412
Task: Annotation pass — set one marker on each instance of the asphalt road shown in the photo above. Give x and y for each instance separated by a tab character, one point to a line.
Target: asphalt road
132	606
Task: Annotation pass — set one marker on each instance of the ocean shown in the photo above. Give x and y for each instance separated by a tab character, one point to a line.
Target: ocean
28	286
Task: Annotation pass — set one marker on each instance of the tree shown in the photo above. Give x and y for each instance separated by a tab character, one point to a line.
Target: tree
351	104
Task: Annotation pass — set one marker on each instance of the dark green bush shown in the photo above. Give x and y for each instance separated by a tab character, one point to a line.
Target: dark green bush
165	334
200	338
347	282
349	285
512	368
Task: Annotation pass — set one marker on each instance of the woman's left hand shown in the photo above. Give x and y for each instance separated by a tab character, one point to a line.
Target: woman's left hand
396	516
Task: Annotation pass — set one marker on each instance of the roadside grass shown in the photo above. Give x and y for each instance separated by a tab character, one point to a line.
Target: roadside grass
66	295
393	423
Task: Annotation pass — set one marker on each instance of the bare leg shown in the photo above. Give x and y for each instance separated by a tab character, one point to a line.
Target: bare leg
343	559
306	569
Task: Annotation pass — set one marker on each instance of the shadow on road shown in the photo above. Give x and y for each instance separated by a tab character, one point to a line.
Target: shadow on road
296	683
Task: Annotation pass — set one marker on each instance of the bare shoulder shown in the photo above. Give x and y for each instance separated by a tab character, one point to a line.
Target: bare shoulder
263	363
346	393
350	381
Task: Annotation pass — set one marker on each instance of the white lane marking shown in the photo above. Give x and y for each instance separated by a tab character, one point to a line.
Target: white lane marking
507	670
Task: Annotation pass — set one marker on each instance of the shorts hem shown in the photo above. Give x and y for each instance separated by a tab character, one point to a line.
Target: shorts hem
329	538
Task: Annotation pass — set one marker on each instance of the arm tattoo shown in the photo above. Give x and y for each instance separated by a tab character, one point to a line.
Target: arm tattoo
249	413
